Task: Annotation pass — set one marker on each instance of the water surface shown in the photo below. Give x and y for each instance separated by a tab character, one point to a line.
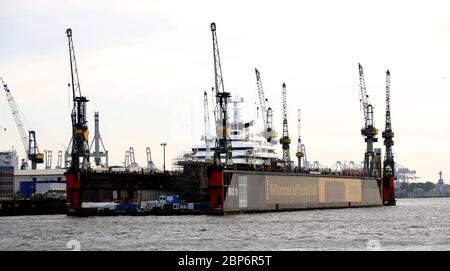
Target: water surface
414	224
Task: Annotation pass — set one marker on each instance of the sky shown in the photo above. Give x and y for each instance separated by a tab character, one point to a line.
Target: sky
145	64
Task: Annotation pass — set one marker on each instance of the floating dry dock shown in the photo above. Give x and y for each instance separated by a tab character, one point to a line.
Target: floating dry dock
206	189
269	191
224	187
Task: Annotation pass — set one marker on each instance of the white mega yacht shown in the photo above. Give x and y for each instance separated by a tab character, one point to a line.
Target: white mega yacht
248	147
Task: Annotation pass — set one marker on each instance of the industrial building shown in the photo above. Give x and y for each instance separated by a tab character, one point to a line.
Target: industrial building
6	182
45	182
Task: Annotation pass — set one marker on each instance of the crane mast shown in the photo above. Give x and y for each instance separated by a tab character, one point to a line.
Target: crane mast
207	126
262	98
265	112
80	132
29	141
388	163
388	134
368	131
299	152
285	140
223	143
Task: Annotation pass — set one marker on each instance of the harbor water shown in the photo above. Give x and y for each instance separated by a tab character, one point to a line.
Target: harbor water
414	224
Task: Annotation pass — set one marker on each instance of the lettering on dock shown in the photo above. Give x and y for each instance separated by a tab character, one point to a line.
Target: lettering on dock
339	190
290	190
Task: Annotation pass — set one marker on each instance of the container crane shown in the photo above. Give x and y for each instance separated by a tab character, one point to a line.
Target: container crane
29	141
368	131
126	161
150	164
285	140
132	158
299	152
98	152
266	112
223	142
388	163
48	159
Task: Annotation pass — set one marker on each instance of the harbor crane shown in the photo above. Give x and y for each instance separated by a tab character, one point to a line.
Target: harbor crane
388	163
80	137
368	131
80	131
300	154
285	140
29	141
266	112
223	142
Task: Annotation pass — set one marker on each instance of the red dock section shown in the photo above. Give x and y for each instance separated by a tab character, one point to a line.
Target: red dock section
216	191
388	191
73	184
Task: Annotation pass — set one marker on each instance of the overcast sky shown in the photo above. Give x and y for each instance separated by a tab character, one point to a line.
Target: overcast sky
145	64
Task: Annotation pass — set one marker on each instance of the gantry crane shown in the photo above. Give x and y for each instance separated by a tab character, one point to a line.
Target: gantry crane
48	159
266	112
223	142
132	158
126	161
299	152
29	141
285	140
368	131
150	164
98	152
388	163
